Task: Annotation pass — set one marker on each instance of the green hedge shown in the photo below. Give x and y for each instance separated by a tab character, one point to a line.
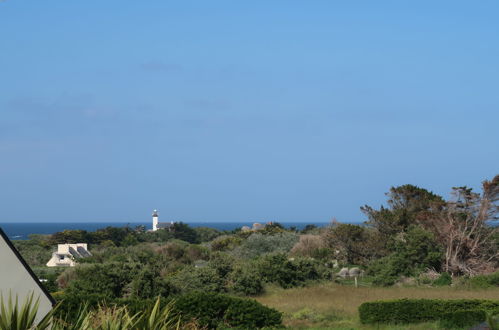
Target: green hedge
461	319
214	310
419	310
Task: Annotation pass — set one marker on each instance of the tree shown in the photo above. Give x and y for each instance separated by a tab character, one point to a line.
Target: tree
354	244
414	251
184	232
405	204
464	228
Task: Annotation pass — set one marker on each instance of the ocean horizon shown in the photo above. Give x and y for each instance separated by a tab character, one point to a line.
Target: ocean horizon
22	230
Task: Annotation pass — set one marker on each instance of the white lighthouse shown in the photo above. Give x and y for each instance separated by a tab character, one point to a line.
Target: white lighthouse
155	220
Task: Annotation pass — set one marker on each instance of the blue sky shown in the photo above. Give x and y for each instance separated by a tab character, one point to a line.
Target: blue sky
241	111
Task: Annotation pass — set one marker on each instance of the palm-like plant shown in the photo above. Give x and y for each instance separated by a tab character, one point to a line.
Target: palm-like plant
15	317
158	318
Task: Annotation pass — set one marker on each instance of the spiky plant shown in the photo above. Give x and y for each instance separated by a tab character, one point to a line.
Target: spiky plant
157	318
15	317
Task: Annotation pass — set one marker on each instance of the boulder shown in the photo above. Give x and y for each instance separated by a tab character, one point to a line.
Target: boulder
343	272
354	271
245	228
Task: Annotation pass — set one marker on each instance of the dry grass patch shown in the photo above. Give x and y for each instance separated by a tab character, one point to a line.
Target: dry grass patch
343	301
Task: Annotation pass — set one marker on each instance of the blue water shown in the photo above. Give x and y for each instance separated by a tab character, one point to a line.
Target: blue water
23	230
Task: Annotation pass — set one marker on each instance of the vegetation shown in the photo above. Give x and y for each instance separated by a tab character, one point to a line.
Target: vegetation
419	239
335	306
420	310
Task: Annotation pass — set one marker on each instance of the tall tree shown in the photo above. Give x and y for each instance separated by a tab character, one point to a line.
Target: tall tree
466	229
405	204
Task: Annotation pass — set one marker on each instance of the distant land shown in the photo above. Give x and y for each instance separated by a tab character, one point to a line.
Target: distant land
21	230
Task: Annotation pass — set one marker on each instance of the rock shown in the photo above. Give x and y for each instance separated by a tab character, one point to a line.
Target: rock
258	226
245	228
355	271
343	272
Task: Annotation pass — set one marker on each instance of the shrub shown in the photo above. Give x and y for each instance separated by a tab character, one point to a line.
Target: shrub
212	310
459	319
414	251
308	246
197	279
222	263
259	244
110	279
225	242
485	281
418	310
443	279
356	245
290	272
206	234
246	281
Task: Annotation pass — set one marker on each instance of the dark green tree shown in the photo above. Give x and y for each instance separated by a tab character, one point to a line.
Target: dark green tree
184	232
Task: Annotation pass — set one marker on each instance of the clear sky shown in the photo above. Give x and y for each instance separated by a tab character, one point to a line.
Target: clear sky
241	110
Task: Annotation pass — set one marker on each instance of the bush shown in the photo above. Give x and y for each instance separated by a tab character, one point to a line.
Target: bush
225	243
443	279
308	246
213	310
259	244
418	310
414	251
191	279
459	319
292	272
246	281
484	281
110	279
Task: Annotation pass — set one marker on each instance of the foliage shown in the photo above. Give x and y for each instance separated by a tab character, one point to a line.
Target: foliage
156	317
492	321
191	279
259	244
184	232
110	279
35	250
484	281
21	317
443	279
418	310
311	246
405	203
310	229
226	243
148	283
414	251
355	244
48	276
222	263
206	234
246	281
463	227
459	319
212	310
289	272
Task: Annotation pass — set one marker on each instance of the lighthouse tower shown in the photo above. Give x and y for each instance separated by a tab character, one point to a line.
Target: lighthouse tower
155	220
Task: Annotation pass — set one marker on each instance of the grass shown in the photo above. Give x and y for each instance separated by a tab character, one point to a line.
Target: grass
334	306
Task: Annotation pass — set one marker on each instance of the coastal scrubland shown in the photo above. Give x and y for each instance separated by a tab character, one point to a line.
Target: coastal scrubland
419	245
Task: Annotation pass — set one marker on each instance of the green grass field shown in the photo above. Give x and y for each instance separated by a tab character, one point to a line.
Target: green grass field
334	306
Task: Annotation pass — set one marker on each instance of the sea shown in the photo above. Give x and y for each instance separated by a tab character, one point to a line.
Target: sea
21	231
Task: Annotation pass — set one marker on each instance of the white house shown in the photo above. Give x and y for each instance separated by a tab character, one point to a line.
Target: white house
67	253
159	225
